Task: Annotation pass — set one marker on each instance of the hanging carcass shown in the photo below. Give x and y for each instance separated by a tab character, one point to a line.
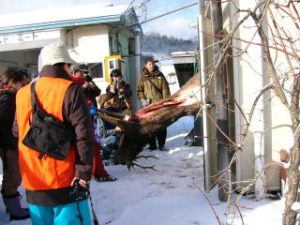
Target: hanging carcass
137	130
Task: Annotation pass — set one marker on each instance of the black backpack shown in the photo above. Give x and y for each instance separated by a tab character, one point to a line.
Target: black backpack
48	135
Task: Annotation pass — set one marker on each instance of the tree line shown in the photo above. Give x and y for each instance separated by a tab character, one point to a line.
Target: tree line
163	44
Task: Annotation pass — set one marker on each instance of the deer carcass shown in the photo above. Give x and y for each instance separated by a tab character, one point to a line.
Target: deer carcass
149	120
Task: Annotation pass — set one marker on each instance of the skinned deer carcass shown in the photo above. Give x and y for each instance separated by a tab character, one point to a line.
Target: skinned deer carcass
149	120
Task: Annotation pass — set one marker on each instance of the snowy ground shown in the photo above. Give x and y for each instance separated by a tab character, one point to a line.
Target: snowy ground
172	195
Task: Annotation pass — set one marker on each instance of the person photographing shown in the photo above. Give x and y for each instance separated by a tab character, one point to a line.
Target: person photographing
119	93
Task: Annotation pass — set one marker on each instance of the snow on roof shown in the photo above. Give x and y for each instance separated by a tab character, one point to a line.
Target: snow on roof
70	13
183	53
183	57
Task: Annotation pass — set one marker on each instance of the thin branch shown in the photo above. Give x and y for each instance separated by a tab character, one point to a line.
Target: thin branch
241	216
209	202
133	164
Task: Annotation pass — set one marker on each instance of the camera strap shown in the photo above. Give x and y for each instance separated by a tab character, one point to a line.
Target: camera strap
95	220
155	86
79	213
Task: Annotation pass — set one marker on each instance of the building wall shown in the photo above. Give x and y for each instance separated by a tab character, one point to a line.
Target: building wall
247	83
119	45
247	87
118	42
123	43
283	137
88	44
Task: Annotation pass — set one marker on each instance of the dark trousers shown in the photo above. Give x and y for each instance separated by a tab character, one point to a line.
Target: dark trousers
11	173
161	137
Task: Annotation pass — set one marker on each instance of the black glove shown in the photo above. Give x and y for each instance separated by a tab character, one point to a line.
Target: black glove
78	192
88	78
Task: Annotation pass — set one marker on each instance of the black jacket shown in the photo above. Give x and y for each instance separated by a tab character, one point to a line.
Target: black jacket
7	115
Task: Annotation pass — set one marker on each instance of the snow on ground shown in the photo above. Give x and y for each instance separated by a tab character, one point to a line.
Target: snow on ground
171	195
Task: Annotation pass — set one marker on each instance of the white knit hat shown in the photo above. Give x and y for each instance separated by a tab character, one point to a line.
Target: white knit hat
54	53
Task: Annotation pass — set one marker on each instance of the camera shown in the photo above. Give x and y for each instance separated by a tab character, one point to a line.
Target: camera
88	78
121	96
78	192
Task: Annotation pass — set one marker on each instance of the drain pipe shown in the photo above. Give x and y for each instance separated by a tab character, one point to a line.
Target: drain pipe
204	97
138	54
137	68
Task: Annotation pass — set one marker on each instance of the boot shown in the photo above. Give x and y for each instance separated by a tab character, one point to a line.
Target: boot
106	152
14	209
107	178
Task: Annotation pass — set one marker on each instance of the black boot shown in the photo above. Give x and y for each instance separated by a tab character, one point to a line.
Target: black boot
14	209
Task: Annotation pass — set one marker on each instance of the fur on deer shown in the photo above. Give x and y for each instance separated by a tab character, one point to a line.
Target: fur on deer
137	130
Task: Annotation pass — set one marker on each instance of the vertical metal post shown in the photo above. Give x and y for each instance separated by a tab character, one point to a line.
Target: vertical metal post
137	68
223	156
204	96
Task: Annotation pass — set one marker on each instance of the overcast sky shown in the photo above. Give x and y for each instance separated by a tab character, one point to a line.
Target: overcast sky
177	24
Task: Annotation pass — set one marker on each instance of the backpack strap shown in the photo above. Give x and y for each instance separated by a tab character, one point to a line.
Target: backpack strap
34	104
154	85
35	108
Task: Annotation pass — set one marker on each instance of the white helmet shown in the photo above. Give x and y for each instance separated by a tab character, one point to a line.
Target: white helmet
54	53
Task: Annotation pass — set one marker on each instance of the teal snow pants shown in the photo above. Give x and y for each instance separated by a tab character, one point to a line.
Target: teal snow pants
66	214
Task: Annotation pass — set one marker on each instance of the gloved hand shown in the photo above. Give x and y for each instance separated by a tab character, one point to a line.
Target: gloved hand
112	88
79	189
144	102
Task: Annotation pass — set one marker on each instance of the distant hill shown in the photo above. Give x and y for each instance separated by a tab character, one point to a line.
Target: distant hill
162	44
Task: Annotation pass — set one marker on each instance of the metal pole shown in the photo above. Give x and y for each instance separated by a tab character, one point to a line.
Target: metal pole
137	67
223	156
206	111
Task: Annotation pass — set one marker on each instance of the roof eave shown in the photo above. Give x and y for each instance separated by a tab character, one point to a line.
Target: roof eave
60	24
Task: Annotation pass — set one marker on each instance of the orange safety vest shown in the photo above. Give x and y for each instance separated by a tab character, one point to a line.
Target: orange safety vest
43	173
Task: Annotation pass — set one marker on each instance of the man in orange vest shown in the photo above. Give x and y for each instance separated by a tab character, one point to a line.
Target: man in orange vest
49	181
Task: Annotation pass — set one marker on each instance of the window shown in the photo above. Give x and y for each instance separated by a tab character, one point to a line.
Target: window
95	70
112	64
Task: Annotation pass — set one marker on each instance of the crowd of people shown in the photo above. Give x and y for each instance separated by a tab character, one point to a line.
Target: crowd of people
55	172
